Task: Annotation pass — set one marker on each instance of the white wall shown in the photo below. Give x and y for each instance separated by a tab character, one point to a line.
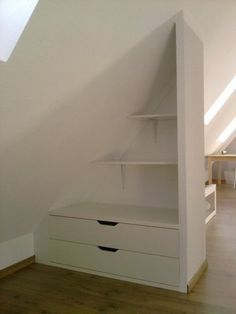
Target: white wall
79	69
16	250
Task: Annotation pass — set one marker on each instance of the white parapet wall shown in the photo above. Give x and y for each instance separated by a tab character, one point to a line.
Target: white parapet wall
16	250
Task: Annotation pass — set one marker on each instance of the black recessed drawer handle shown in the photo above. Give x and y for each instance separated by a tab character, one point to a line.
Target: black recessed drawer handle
107	223
109	249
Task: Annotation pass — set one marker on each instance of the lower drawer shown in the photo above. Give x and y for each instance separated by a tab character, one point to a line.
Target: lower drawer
146	267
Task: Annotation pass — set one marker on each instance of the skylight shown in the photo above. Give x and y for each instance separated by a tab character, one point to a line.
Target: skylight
227	131
220	101
14	15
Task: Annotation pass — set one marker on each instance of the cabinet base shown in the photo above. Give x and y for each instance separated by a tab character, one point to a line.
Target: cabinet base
112	276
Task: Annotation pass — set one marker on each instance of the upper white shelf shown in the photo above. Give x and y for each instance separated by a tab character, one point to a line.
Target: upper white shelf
154	116
137	162
130	214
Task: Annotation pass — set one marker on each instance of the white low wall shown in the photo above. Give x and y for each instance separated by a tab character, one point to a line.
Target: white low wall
16	250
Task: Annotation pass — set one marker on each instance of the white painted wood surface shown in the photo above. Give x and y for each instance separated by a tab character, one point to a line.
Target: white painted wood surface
178	143
210	190
138	215
152	240
137	162
153	116
190	112
147	267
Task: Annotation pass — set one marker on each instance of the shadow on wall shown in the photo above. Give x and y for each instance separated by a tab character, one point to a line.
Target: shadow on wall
50	164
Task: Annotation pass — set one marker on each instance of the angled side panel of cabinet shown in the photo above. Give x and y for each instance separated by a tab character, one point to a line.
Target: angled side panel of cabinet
190	106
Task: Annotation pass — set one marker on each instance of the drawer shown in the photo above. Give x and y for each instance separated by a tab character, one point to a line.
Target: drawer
141	266
139	238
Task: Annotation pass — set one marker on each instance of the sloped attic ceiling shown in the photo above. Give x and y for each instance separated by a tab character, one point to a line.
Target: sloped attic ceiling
76	66
66	93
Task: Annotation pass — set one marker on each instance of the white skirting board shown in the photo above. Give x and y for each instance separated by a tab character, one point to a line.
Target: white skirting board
16	250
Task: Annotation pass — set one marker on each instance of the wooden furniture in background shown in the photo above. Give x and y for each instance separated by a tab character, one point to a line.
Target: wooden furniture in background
218	158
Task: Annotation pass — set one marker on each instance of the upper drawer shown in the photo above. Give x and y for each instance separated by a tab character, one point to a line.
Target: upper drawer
139	238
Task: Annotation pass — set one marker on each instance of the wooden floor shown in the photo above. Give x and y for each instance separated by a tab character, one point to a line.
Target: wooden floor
44	289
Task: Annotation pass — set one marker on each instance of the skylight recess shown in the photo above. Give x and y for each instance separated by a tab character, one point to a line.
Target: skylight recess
14	15
227	131
220	101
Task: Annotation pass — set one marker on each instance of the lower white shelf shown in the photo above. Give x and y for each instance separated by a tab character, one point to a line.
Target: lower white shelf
153	116
138	162
130	214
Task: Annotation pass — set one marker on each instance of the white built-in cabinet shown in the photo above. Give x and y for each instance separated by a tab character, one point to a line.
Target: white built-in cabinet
153	245
128	241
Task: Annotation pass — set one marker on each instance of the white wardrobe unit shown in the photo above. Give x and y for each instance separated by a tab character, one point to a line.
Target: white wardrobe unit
157	245
128	241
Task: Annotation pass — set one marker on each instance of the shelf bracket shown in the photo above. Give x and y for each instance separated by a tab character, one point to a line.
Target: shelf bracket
154	123
123	176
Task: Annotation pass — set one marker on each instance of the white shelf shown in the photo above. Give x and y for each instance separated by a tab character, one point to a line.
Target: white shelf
165	116
210	190
210	213
137	162
129	214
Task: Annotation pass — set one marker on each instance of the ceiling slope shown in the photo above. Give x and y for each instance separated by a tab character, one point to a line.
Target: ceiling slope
66	104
